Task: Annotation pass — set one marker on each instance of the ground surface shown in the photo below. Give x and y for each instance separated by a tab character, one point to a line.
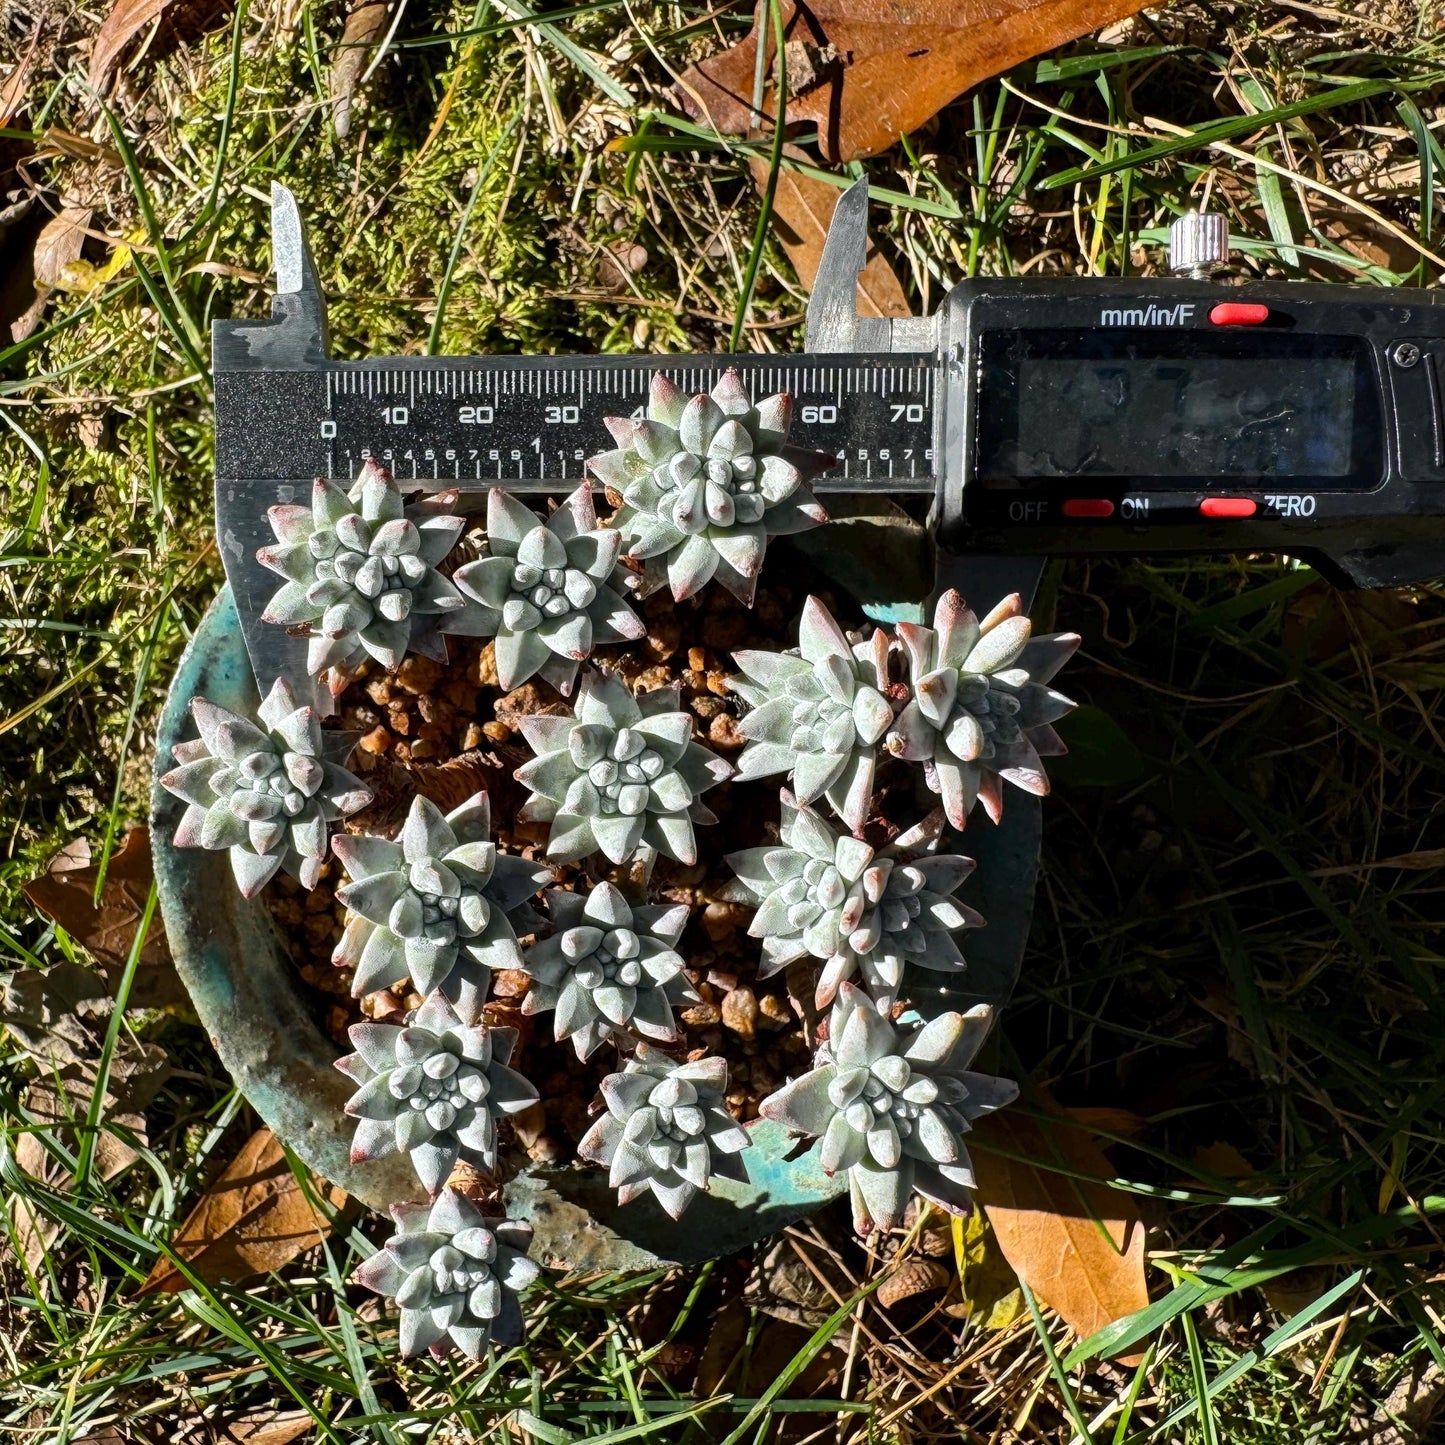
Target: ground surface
1237	948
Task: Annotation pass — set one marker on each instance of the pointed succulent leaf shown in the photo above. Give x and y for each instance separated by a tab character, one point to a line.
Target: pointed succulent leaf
891	1108
440	1083
705	485
666	1128
982	707
621	774
264	790
454	1275
438	902
538	591
819	714
359	569
613	971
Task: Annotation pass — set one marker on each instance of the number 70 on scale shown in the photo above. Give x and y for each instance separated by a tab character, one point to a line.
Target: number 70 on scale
827	415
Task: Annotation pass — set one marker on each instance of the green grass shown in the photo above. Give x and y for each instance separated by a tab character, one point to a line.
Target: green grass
1238	928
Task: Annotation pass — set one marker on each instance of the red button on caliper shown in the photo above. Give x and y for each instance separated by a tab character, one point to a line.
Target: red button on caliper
1227	507
1088	507
1238	313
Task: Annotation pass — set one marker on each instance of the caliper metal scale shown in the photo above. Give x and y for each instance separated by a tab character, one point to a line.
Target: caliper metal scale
1024	418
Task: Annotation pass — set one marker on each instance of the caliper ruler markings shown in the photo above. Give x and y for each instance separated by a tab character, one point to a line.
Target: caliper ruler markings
530	423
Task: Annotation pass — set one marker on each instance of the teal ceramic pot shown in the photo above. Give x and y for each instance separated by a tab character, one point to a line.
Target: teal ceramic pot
235	965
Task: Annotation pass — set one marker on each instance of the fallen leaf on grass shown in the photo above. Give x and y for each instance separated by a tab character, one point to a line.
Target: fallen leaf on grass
60	1102
867	71
14	86
365	25
129	18
44	263
66	894
1078	1244
992	1299
1107	1119
255	1218
802	209
49	1011
59	245
1405	1415
782	1285
727	1363
270	1428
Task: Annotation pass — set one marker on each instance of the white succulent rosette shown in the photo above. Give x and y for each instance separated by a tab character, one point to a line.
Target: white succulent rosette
454	1274
435	906
543	591
266	791
705	481
666	1129
432	1090
819	714
981	713
893	1106
360	570
865	914
610	967
620	773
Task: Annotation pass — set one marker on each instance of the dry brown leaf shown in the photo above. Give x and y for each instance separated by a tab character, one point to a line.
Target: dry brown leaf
802	209
270	1428
365	25
253	1219
867	71
130	17
59	1102
12	90
1105	1119
1079	1245
782	1285
66	894
1405	1415
118	29
50	1012
59	245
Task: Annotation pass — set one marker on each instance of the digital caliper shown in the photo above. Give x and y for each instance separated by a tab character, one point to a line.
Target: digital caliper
1024	418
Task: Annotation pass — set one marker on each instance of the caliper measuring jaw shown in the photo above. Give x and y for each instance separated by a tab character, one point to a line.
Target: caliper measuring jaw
882	395
834	325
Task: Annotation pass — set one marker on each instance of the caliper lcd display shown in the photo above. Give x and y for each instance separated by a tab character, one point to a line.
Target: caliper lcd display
1187	409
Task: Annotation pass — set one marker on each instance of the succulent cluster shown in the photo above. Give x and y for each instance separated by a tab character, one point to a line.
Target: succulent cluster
892	1108
981	712
360	570
432	1090
266	793
818	715
454	1274
665	1128
434	906
620	773
543	590
705	481
861	912
609	967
